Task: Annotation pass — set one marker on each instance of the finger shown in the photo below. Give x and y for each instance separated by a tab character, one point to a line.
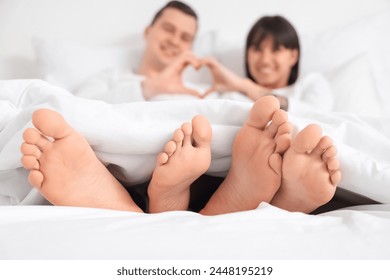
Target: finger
209	61
194	61
183	61
188	56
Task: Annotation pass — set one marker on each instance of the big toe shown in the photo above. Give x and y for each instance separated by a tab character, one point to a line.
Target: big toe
262	111
201	131
51	123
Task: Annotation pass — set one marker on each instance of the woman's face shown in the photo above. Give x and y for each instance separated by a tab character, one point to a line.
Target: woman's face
271	68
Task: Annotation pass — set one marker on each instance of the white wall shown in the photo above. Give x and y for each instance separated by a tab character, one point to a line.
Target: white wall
108	21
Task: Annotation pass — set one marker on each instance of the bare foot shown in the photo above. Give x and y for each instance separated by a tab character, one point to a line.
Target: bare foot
184	159
255	172
310	172
64	168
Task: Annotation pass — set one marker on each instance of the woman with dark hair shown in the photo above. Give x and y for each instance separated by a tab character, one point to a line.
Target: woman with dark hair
272	56
278	36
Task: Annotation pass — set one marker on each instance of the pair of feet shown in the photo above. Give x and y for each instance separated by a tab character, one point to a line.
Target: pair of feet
265	167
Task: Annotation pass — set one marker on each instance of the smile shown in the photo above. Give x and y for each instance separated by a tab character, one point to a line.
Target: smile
169	51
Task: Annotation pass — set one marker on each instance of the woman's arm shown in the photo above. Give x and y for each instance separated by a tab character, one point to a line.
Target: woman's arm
255	91
226	80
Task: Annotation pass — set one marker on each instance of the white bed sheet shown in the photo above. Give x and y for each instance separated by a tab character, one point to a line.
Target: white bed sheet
47	232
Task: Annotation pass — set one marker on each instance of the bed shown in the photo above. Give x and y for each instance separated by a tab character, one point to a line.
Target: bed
43	64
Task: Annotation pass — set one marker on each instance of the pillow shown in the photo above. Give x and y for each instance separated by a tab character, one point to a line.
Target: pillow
354	88
229	49
226	45
67	64
322	51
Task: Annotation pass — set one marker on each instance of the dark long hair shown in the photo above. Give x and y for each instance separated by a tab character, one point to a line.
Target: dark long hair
282	33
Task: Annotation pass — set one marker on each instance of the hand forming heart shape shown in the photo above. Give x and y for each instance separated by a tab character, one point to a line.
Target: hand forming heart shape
170	79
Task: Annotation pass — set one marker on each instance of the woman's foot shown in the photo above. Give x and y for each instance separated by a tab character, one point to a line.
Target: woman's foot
183	160
255	172
310	172
64	168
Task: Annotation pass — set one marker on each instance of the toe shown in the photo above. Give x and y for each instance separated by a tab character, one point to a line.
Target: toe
187	130
170	148
329	153
51	123
333	164
325	143
30	162
201	131
335	177
278	118
162	158
262	111
30	150
283	142
307	139
33	137
178	137
35	178
285	128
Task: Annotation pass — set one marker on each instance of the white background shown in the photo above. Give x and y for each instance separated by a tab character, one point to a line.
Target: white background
110	21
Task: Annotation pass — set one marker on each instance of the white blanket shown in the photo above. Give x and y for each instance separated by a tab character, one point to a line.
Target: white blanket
130	135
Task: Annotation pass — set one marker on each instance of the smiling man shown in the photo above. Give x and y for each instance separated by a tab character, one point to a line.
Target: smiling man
171	32
169	40
168	51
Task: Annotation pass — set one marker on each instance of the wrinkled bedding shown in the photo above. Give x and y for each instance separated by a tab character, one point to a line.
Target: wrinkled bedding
128	136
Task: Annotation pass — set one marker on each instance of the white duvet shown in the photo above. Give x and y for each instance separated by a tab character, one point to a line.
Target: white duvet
130	135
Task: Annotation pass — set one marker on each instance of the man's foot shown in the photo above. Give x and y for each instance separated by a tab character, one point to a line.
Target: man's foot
64	168
255	172
310	172
184	159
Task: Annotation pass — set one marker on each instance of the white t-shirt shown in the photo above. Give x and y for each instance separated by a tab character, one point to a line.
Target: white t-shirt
112	87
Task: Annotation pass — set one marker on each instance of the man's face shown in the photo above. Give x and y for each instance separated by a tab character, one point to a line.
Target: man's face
170	35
